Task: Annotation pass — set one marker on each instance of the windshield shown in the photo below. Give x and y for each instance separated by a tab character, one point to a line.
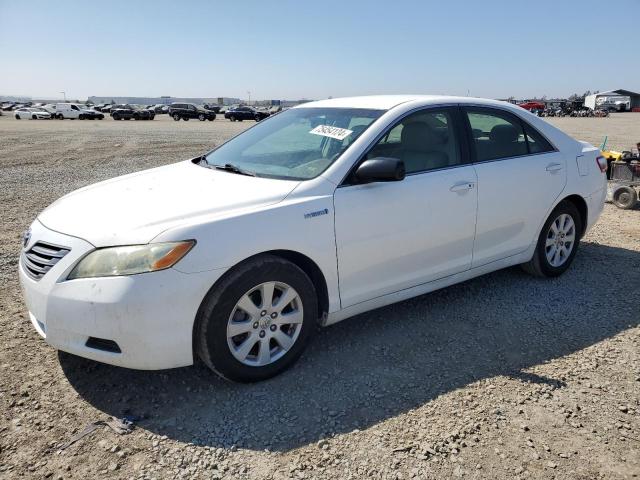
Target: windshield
299	143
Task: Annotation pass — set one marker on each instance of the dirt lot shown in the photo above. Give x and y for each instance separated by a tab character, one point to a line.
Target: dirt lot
505	376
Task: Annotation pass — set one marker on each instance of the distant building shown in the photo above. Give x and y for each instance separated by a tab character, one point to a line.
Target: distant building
164	100
620	100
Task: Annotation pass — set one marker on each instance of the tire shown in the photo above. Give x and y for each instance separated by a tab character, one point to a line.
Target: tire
81	117
257	119
60	116
540	265
34	117
151	117
232	118
116	116
214	316
17	117
136	117
625	198
202	117
176	117
186	119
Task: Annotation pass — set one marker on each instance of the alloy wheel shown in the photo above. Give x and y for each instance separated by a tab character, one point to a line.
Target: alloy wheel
265	324
560	240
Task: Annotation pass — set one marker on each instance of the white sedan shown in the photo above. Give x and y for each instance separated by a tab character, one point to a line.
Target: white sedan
32	113
319	213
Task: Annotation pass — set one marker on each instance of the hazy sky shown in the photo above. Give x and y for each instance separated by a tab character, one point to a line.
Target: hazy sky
315	49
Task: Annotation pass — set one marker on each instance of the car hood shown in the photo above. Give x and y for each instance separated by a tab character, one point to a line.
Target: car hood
135	208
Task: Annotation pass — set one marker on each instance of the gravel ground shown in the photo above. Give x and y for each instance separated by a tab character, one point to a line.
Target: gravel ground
505	376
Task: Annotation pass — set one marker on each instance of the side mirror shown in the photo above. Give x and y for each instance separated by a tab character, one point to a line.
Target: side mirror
380	169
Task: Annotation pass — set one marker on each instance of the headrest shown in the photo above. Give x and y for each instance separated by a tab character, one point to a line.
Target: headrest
419	136
503	134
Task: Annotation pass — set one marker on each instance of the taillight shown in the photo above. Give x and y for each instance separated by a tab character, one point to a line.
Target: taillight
602	163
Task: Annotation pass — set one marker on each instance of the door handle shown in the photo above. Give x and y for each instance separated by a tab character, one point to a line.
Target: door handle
554	167
462	187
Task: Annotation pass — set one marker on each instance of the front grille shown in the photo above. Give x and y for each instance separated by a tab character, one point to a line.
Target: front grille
39	259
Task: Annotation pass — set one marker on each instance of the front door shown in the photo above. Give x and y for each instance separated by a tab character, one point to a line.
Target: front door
396	235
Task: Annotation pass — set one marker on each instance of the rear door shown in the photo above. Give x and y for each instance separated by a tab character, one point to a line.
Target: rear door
520	176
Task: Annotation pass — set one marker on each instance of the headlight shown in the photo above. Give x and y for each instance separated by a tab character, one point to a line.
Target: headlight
116	261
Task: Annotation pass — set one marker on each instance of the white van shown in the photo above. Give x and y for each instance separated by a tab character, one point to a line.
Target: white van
73	110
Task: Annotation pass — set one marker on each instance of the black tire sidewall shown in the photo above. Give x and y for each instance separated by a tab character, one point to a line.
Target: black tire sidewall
217	306
632	198
546	268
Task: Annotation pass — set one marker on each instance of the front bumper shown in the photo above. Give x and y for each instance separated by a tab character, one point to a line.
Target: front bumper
149	316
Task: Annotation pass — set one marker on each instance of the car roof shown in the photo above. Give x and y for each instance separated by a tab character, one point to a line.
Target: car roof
386	102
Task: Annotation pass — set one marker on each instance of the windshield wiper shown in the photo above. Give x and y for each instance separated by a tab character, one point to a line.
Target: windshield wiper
230	167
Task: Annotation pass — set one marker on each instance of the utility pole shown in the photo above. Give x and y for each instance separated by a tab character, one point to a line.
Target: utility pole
249	94
65	95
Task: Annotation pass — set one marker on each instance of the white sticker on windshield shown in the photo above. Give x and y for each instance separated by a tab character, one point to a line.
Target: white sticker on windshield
332	132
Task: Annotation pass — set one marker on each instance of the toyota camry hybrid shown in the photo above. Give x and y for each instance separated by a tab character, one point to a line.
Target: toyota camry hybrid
316	214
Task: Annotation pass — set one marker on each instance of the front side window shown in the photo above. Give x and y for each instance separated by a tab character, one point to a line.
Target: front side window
297	144
496	134
424	141
73	107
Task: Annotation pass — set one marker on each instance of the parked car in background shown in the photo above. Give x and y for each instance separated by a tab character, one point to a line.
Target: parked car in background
532	106
245	113
205	258
100	106
51	108
185	111
160	108
32	113
128	111
74	111
212	108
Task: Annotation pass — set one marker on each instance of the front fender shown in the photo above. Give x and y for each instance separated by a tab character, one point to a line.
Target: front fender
304	226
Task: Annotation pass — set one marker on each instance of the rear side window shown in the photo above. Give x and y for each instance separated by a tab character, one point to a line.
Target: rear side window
496	134
537	143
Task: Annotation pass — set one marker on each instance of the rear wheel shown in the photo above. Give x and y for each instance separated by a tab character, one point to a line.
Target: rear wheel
34	117
232	118
558	242
256	322
176	117
625	198
116	116
202	117
17	117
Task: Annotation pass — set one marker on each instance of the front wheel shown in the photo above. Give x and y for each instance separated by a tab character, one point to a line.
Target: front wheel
256	322
558	242
232	118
